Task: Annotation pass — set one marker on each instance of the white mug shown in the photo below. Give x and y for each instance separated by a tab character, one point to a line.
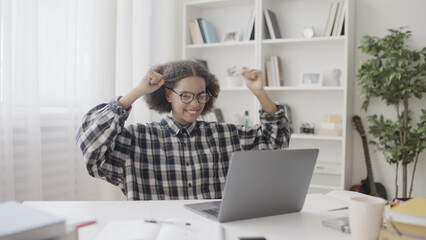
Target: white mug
366	217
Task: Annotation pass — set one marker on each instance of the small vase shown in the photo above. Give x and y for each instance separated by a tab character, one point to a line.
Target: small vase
234	81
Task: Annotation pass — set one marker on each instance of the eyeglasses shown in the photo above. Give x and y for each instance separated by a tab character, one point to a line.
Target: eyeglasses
187	97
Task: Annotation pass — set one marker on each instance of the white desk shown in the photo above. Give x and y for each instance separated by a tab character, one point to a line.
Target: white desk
306	224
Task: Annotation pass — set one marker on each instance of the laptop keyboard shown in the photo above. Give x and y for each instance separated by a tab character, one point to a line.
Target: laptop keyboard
212	211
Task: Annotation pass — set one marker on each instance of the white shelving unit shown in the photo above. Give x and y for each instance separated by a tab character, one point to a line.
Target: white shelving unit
298	55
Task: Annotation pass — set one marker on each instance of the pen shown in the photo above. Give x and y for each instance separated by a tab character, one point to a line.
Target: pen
168	222
392	203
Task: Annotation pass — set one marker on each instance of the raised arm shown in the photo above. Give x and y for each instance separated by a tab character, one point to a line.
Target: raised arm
254	81
151	82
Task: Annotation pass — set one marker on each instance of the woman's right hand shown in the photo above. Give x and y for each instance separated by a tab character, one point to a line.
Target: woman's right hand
151	82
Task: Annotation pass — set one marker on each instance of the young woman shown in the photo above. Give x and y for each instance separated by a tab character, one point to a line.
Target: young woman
179	157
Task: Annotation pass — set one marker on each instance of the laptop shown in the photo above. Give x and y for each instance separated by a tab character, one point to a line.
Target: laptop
262	183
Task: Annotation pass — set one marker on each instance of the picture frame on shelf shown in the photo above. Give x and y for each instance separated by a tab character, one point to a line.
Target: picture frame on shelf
311	79
231	36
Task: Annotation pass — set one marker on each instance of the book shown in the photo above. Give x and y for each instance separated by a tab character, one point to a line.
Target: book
192	32
277	78
412	211
330	132
268	77
403	228
208	31
19	222
333	200
161	230
250	28
272	23
385	234
280	72
340	26
274	71
330	21
199	35
336	31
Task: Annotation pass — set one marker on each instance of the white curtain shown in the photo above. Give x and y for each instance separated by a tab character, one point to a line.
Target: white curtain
59	58
57	61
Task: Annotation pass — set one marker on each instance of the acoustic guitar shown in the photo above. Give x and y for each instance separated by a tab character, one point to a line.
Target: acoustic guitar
367	186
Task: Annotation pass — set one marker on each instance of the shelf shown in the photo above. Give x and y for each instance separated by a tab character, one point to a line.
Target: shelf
209	4
315	137
326	88
298	55
221	44
303	40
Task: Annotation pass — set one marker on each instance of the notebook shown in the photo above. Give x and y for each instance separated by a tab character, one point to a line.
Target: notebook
262	183
18	221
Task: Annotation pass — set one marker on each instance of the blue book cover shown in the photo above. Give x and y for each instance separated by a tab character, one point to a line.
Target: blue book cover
208	31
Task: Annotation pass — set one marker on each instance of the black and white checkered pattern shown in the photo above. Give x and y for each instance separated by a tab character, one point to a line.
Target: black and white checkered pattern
163	160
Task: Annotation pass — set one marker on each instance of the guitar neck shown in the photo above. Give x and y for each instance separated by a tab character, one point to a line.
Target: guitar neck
370	176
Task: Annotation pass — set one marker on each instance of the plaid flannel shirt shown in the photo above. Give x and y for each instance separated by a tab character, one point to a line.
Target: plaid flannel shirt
163	160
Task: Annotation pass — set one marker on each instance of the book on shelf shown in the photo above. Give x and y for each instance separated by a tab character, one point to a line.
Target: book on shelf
159	230
208	31
331	19
272	24
280	72
276	78
268	74
341	22
250	28
20	222
340	13
192	32
200	26
199	35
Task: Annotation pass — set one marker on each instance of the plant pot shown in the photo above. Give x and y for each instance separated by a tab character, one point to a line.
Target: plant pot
234	81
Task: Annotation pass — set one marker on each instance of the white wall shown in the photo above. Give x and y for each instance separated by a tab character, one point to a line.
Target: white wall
374	18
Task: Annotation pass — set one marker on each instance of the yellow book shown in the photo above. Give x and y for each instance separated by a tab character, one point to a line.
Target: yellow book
403	228
412	211
387	235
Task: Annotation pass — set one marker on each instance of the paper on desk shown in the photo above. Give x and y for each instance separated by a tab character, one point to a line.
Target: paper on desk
206	230
333	200
175	229
128	230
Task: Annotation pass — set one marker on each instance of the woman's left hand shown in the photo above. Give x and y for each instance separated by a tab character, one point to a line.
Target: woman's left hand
253	79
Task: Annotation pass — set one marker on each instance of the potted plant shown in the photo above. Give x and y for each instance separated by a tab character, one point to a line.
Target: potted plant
395	74
233	78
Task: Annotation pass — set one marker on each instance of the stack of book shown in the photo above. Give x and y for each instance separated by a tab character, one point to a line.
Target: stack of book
406	221
336	20
331	126
274	73
202	31
19	222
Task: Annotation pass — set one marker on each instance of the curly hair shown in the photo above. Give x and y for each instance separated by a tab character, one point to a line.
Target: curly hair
173	72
